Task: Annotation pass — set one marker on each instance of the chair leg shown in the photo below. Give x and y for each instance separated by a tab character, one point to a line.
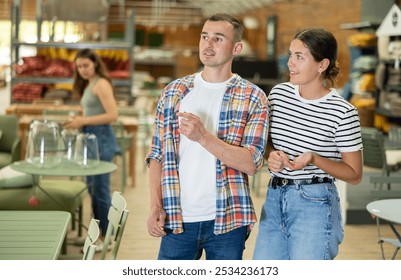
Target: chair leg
382	249
73	220
395	253
80	219
123	172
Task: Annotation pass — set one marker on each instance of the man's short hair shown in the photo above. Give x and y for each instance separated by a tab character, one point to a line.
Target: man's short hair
238	28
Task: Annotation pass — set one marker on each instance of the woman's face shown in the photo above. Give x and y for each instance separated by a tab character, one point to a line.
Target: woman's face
85	68
302	66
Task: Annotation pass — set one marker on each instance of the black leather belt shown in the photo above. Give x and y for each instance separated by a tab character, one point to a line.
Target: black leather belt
281	182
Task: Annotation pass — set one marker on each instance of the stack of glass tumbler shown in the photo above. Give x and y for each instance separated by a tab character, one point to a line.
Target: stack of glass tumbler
49	145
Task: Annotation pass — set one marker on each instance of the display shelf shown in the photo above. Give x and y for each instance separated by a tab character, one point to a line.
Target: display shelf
363	25
391	86
157	67
55	80
389	91
127	44
80	45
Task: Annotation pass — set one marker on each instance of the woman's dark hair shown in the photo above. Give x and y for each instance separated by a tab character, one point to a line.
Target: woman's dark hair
322	44
100	70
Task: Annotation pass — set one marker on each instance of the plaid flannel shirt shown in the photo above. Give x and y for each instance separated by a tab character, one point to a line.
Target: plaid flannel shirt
243	122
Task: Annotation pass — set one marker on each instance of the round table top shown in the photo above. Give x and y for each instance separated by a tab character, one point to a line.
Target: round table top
64	169
387	209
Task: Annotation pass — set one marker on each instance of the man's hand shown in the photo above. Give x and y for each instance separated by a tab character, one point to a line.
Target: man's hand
191	126
155	222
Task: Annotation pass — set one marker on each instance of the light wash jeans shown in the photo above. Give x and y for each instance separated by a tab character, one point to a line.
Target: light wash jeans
300	222
199	236
99	185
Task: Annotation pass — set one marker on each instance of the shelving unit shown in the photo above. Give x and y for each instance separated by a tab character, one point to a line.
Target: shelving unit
389	93
360	50
16	44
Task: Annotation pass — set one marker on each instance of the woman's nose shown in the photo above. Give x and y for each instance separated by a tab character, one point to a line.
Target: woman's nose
289	62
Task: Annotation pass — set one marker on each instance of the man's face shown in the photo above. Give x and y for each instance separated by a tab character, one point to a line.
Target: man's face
216	45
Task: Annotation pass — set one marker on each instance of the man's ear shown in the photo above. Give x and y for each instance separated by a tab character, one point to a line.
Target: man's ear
237	48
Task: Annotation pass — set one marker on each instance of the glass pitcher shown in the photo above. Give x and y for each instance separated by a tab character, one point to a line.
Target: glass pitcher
86	153
69	137
45	145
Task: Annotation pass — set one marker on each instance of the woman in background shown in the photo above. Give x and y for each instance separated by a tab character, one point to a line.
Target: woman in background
93	84
315	137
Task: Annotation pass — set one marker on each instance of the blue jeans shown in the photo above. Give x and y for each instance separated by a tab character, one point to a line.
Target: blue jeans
300	222
99	185
199	236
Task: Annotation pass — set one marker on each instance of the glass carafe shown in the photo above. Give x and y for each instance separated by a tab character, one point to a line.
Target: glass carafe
45	145
69	137
86	152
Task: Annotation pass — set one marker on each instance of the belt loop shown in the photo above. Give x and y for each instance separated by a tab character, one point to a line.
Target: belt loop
273	183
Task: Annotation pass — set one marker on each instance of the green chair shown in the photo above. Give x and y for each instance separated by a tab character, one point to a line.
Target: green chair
10	143
118	215
374	154
89	248
374	150
16	191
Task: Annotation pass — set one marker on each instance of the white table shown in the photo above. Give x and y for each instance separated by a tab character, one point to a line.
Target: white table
388	210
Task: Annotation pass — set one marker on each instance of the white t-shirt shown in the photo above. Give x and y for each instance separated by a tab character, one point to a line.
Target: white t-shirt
197	167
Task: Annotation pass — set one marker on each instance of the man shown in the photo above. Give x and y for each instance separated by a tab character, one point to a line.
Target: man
210	134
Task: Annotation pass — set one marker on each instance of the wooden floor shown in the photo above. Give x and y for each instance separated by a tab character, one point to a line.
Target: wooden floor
360	242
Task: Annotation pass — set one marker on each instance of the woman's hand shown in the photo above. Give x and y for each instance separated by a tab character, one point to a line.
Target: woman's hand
74	122
277	160
301	161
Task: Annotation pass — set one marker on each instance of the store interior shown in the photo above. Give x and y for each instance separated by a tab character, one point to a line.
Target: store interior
147	44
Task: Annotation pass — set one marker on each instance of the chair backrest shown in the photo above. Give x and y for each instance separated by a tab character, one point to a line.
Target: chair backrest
89	248
9	126
373	148
124	139
393	189
118	215
118	128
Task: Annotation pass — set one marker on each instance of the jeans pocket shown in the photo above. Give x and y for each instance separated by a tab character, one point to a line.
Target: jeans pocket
315	192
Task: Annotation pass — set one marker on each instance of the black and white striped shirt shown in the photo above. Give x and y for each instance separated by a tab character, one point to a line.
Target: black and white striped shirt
327	126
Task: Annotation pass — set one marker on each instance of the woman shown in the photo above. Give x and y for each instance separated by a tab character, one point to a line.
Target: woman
315	139
99	110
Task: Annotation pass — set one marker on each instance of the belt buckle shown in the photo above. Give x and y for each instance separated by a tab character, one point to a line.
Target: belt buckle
284	181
